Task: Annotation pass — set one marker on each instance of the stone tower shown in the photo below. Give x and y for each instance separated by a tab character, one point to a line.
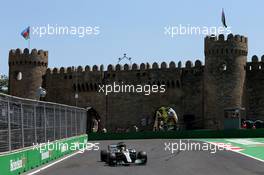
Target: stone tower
224	78
26	72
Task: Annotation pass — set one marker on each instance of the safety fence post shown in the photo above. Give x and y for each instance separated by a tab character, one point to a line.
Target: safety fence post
9	125
22	125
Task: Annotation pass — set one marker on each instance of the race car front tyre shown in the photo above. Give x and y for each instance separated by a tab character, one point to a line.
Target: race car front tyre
104	155
112	159
142	155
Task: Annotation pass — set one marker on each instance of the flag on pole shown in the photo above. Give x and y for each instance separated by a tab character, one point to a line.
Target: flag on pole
223	19
26	33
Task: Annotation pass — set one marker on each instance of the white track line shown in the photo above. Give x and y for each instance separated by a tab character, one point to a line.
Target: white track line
240	153
53	163
249	156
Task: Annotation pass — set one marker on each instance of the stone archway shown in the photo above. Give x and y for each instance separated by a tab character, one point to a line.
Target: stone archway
93	120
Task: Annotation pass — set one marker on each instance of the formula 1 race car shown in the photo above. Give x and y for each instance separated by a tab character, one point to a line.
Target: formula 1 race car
119	155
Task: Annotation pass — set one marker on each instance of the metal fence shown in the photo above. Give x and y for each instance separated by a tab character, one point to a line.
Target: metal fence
24	122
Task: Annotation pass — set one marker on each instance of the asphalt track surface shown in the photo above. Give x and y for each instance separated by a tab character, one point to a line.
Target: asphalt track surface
160	162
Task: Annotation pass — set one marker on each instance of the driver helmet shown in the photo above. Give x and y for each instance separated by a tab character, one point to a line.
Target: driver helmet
121	146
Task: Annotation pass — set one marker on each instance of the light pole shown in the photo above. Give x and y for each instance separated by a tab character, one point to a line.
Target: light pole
124	57
76	95
41	93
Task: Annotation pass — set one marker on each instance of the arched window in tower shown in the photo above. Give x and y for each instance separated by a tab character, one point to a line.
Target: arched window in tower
168	84
178	84
74	87
173	84
79	88
95	87
83	88
91	86
223	67
19	76
87	86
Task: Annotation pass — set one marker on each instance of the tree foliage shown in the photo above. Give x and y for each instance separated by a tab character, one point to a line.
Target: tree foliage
3	84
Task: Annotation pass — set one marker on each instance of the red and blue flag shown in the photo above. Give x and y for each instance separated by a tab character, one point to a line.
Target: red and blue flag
25	33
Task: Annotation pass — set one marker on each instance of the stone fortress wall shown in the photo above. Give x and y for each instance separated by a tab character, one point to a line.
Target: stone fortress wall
129	108
199	90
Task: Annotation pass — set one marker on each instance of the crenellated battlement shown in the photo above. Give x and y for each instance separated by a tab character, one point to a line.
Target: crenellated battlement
219	46
87	79
126	67
35	57
230	39
255	64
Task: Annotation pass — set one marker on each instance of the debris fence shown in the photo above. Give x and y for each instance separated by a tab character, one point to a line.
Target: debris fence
25	122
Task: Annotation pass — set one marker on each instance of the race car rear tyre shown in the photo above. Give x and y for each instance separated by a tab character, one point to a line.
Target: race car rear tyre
142	155
104	155
112	159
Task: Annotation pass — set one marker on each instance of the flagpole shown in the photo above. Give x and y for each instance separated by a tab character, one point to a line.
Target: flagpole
29	39
29	44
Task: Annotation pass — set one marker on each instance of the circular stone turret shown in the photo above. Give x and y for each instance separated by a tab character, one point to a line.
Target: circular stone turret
26	71
225	61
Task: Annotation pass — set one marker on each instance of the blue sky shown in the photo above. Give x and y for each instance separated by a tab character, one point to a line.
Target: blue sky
133	27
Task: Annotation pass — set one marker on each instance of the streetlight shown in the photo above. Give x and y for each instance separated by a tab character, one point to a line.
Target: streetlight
124	57
76	95
41	93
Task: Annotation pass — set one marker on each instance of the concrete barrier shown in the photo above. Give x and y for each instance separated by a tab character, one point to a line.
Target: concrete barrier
238	133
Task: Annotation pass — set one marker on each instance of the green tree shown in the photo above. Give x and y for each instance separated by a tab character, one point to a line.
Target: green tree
3	84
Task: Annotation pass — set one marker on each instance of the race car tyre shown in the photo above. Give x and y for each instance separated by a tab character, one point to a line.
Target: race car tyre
142	155
112	159
104	154
259	124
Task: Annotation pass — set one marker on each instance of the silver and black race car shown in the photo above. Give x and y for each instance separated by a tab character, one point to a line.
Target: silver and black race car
119	154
